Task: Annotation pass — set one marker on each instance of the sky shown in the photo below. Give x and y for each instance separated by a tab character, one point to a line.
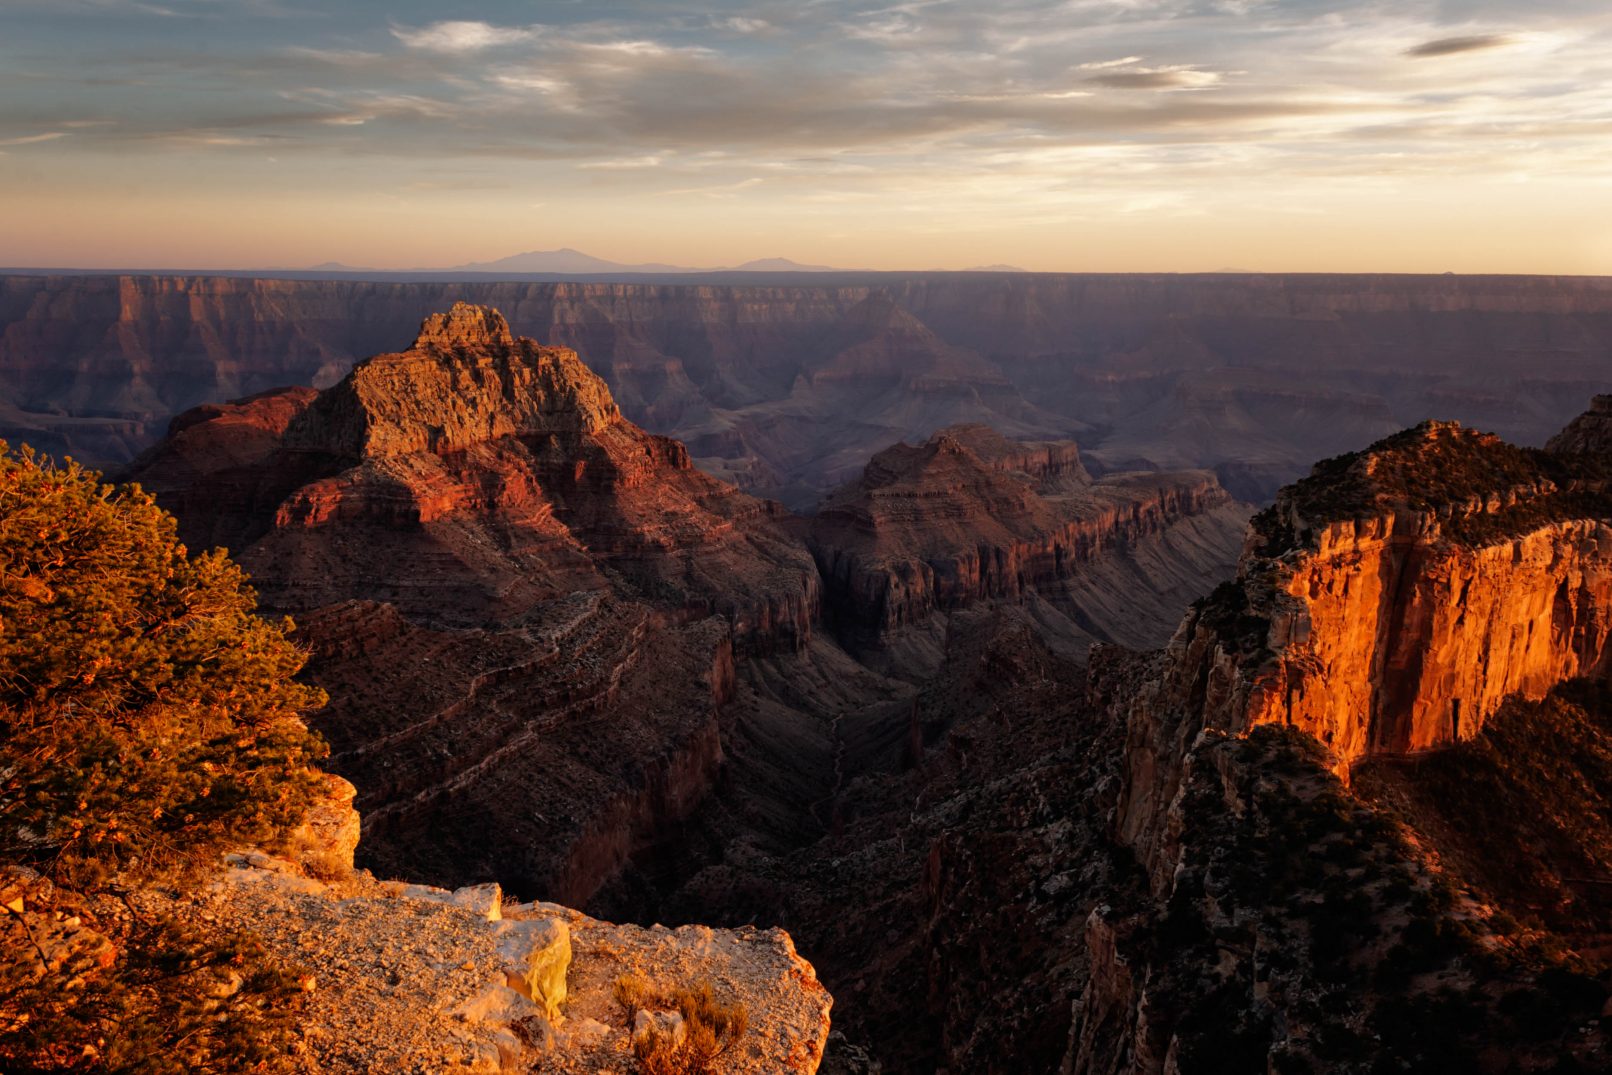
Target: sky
1070	135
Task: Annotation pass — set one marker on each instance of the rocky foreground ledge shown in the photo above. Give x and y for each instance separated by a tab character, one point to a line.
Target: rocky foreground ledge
406	978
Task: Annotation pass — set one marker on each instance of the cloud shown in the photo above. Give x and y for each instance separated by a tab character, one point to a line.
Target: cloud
698	105
724	190
740	24
335	57
1157	78
1450	46
33	139
460	36
624	164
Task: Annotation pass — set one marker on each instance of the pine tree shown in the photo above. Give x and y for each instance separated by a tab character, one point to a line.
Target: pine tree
149	720
148	716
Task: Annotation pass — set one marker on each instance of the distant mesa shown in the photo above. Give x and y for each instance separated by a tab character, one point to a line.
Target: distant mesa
564	260
995	268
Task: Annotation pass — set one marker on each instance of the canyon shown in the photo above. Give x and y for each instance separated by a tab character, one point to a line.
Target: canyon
477	510
952	731
788	387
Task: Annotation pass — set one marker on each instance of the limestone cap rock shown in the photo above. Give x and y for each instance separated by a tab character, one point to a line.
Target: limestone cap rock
466	380
464	325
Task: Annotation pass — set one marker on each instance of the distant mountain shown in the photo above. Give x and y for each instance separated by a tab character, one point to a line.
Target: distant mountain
567	260
780	265
564	260
995	268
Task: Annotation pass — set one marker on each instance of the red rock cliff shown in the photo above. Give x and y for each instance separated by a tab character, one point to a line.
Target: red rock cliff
1386	604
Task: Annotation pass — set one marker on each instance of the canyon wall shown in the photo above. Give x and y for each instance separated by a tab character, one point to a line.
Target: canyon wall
787	388
1388	604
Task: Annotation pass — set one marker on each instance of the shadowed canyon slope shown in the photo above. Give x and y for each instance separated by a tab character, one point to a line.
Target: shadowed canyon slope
788	388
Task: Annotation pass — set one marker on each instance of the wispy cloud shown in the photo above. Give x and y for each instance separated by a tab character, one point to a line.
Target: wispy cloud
1103	65
462	36
33	139
1450	46
722	190
624	164
1157	78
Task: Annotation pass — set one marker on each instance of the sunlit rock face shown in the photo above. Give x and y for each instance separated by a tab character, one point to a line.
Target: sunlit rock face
411	977
1387	604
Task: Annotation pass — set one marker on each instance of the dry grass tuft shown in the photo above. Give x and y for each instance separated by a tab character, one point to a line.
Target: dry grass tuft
712	1027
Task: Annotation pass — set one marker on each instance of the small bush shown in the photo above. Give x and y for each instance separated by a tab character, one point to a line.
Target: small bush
148	716
712	1027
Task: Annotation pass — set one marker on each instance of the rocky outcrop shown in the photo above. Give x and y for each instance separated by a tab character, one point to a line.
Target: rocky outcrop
405	978
465	381
970	516
1588	434
789	387
1387	604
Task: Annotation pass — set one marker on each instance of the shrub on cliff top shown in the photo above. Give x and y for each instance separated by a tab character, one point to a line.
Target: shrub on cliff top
710	1026
147	716
148	720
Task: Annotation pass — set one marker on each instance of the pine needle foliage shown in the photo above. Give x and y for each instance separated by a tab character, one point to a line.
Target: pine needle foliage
148	717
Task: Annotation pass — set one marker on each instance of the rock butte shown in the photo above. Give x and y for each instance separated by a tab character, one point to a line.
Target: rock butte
477	510
969	516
